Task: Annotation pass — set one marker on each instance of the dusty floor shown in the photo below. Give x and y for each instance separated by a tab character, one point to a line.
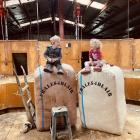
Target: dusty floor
11	126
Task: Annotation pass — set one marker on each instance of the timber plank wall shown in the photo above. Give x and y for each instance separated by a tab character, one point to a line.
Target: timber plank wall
121	52
9	47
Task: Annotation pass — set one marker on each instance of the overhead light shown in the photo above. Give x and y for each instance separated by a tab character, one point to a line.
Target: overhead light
125	36
24	24
96	30
73	23
83	2
49	19
56	18
130	29
35	22
97	5
70	22
16	2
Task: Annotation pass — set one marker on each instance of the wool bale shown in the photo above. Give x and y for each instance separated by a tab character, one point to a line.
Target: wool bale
102	99
52	89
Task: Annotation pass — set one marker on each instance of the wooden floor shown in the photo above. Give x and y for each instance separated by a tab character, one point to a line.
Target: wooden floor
11	126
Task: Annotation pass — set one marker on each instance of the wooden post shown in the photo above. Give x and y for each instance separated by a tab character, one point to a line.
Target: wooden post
61	18
1	8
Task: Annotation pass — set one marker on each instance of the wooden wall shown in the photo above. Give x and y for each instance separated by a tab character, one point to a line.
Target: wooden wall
132	88
118	52
9	47
9	96
136	53
121	52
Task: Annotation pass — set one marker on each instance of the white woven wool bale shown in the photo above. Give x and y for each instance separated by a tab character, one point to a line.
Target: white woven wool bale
52	89
102	100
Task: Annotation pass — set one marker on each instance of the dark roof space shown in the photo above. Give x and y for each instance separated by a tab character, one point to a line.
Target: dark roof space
116	19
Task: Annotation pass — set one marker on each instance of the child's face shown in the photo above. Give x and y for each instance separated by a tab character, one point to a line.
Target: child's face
93	47
57	43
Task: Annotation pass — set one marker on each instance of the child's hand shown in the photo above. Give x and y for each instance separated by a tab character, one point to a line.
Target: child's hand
52	60
49	59
90	60
55	59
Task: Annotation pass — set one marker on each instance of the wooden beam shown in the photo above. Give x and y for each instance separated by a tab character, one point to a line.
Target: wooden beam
71	8
134	20
53	12
86	9
108	3
61	18
25	10
12	16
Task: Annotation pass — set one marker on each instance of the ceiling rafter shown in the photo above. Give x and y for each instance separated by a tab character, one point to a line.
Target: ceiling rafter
85	10
107	4
124	30
25	10
71	8
133	11
125	7
12	16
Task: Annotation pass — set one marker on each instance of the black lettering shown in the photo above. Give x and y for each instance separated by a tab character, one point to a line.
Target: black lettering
91	83
65	84
95	83
107	91
109	94
88	83
81	90
71	91
51	84
48	86
102	85
54	82
43	91
45	88
106	88
99	84
59	83
85	85
62	83
68	87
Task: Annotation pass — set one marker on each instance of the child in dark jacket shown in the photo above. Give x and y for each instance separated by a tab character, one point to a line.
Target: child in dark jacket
53	56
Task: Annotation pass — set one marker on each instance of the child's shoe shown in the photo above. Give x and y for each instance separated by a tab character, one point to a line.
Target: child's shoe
48	70
85	71
60	71
97	69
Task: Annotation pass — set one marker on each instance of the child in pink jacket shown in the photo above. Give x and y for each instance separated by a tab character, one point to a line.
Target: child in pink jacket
95	57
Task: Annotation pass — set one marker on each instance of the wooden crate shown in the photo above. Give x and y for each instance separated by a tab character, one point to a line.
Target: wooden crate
132	86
